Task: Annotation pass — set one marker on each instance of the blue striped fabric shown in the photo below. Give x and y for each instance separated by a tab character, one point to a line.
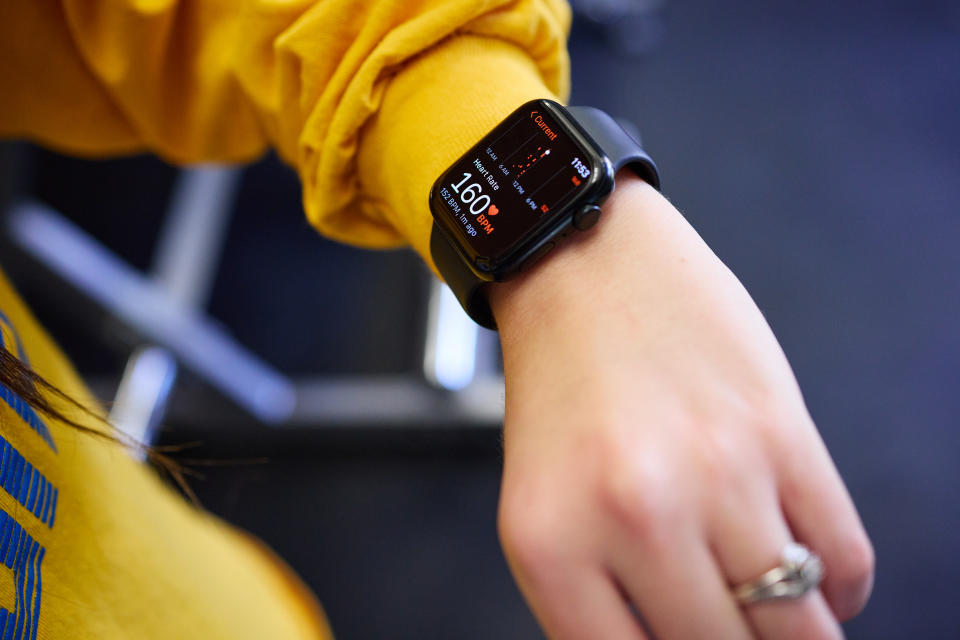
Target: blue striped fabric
24	555
27	414
25	411
19	552
26	484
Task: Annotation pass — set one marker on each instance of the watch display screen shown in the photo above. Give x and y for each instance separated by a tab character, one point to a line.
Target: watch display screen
517	179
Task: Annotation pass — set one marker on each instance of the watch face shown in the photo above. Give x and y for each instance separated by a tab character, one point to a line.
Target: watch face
520	182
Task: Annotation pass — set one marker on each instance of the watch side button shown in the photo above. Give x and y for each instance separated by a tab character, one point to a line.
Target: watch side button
537	255
586	217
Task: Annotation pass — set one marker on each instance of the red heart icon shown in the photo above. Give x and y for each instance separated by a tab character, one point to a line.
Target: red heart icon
492	211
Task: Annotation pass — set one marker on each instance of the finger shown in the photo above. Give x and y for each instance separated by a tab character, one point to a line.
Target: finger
749	534
572	604
821	513
680	591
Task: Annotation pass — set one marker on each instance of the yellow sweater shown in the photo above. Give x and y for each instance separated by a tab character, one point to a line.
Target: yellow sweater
370	101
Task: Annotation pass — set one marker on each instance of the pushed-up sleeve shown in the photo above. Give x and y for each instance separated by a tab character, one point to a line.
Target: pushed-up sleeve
369	100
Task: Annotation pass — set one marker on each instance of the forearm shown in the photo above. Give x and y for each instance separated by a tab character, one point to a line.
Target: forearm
637	231
637	267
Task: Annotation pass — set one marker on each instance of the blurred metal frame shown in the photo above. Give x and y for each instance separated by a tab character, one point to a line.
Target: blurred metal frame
460	385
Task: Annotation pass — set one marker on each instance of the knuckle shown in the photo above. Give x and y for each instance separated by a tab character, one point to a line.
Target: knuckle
808	631
729	460
769	413
819	632
852	580
639	496
807	619
527	532
721	452
860	555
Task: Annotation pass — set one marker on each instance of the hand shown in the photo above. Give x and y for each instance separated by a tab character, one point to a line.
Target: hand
657	447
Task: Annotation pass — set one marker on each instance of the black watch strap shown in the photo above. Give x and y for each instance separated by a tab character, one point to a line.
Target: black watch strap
616	143
461	279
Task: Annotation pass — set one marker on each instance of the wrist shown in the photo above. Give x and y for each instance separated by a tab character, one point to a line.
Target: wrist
640	237
640	286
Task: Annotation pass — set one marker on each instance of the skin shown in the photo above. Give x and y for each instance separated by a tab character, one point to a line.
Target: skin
657	446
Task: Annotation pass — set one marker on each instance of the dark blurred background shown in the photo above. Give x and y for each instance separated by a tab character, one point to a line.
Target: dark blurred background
813	144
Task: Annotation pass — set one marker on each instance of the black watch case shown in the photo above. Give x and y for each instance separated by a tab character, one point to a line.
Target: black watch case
522	202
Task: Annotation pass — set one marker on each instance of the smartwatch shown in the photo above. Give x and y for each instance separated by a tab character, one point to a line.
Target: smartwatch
537	177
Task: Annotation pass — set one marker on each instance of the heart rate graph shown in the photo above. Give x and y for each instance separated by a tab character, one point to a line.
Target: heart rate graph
522	166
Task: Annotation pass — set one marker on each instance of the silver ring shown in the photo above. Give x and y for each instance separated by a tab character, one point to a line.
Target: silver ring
800	571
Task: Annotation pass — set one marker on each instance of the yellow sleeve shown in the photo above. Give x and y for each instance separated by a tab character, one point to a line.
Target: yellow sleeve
369	99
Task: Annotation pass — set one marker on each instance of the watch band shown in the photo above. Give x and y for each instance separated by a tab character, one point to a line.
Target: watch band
461	280
622	149
615	142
